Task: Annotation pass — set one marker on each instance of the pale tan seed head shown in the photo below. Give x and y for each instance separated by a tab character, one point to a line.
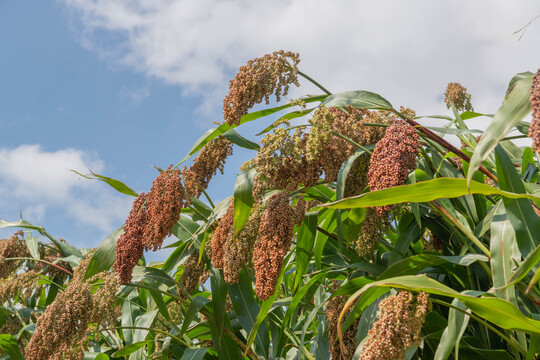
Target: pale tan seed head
457	93
398	328
534	100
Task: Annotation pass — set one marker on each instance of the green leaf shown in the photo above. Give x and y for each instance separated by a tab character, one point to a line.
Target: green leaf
144	321
227	348
32	245
115	184
185	228
286	117
243	200
104	257
457	323
246	308
131	348
514	108
299	296
194	354
266	306
453	131
130	310
423	192
10	346
64	248
502	245
220	130
524	220
496	310
239	140
359	99
466	115
95	356
195	306
304	247
157	295
146	272
523	269
534	347
413	264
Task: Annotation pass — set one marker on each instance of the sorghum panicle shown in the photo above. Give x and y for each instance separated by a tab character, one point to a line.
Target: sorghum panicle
398	327
130	247
238	252
24	284
457	93
534	99
333	309
220	236
299	211
257	80
63	325
282	163
275	237
330	150
208	162
163	205
372	232
13	247
394	156
356	180
193	270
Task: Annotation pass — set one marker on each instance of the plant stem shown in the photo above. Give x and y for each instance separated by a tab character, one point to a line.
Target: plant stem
314	82
207	197
43	261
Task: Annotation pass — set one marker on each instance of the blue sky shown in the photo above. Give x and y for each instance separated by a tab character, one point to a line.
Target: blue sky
117	86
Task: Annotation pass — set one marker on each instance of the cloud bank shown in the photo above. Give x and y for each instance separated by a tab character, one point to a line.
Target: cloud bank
407	51
33	180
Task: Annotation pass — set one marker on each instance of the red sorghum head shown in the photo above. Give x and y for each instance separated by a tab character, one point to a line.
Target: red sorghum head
163	205
226	223
130	247
210	160
394	156
275	237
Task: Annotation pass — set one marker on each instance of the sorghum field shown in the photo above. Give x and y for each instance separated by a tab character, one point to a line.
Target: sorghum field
355	232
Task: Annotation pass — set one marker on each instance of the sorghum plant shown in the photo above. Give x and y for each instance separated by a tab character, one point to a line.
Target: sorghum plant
358	232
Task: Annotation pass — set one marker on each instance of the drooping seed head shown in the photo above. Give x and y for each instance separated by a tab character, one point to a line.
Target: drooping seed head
163	205
394	156
275	237
130	246
208	162
398	328
257	80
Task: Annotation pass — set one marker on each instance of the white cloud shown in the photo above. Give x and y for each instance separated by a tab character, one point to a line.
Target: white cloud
33	180
407	51
134	95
